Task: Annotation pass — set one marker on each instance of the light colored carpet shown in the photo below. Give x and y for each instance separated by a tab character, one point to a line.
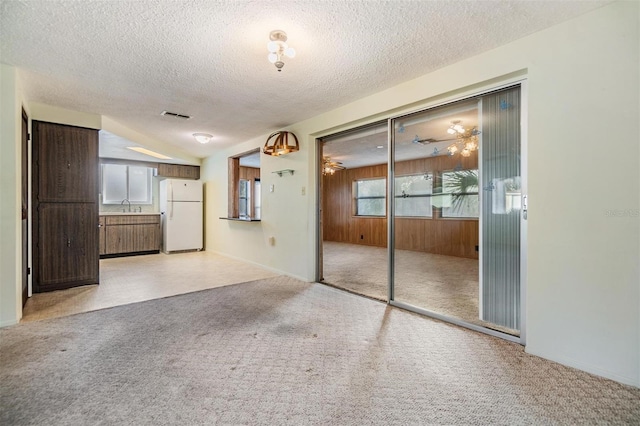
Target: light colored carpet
446	285
137	278
280	351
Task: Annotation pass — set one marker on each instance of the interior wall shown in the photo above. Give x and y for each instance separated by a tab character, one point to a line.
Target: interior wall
450	237
10	202
339	221
582	295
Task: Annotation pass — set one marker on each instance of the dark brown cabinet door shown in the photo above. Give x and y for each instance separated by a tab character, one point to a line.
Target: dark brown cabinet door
67	244
67	158
65	206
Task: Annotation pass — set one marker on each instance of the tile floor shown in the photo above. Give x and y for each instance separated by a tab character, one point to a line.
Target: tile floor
125	280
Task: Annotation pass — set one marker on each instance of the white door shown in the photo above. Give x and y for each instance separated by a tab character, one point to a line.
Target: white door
182	226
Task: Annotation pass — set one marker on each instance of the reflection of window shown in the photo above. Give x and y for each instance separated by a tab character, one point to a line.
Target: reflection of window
120	182
460	188
413	195
244	198
257	207
370	197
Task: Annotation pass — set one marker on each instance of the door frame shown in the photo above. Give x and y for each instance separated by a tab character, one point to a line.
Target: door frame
521	339
25	208
514	80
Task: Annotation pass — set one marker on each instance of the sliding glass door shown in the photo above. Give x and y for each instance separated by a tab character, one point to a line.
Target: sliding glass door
455	211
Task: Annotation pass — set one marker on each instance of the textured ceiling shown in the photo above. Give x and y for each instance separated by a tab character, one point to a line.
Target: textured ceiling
130	60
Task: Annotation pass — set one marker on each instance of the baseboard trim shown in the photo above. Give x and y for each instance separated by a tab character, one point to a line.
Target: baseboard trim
591	369
269	268
8	323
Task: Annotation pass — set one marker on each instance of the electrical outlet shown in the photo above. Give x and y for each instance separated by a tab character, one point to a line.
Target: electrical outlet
304	190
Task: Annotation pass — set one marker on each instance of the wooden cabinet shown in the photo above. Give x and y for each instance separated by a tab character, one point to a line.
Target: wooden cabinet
65	206
67	241
178	171
126	234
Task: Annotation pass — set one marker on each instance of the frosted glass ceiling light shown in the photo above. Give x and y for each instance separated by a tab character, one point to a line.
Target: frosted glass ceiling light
279	49
202	137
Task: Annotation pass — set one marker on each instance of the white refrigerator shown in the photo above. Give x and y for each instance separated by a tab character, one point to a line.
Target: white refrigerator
181	213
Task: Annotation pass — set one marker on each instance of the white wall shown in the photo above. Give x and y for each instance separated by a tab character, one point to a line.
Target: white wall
10	197
583	155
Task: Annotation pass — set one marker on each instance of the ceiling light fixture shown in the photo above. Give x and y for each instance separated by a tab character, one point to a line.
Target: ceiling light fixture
278	144
455	128
278	48
202	137
466	139
146	151
330	167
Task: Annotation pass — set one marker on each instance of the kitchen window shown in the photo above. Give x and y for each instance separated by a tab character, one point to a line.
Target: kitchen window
125	182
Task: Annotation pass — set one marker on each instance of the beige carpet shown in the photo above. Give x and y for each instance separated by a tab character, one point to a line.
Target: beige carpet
280	351
137	278
446	285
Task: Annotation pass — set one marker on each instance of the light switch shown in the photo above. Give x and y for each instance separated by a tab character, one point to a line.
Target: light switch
271	187
304	190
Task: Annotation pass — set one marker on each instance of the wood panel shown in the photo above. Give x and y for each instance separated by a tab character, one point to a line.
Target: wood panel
233	180
132	238
131	233
447	236
131	219
65	206
178	171
338	216
249	173
67	245
67	159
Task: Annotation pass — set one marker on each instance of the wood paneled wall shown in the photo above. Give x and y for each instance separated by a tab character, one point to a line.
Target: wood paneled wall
249	173
452	237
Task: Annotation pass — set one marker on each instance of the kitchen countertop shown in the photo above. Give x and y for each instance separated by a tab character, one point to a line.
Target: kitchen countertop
127	213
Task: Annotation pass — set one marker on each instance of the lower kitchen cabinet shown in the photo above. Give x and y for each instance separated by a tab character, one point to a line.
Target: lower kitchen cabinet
125	234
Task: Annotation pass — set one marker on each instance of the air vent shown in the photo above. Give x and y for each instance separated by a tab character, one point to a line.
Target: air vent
176	115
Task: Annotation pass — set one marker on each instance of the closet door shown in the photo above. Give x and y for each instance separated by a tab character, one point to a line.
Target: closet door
65	206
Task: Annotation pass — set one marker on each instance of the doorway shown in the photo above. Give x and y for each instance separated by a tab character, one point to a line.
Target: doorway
453	202
353	221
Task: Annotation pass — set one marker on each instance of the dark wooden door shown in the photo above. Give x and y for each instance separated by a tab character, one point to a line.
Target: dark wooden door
67	161
67	244
25	207
65	206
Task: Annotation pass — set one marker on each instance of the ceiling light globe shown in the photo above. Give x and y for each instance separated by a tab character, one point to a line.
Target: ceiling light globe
273	46
202	137
272	58
290	52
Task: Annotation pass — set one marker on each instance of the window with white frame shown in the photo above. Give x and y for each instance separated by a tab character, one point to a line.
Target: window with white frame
413	195
370	197
460	187
126	182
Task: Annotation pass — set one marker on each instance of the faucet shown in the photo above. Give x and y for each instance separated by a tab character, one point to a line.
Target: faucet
122	204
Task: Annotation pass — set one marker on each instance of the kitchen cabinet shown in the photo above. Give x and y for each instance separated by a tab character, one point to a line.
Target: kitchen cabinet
65	206
178	171
135	233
